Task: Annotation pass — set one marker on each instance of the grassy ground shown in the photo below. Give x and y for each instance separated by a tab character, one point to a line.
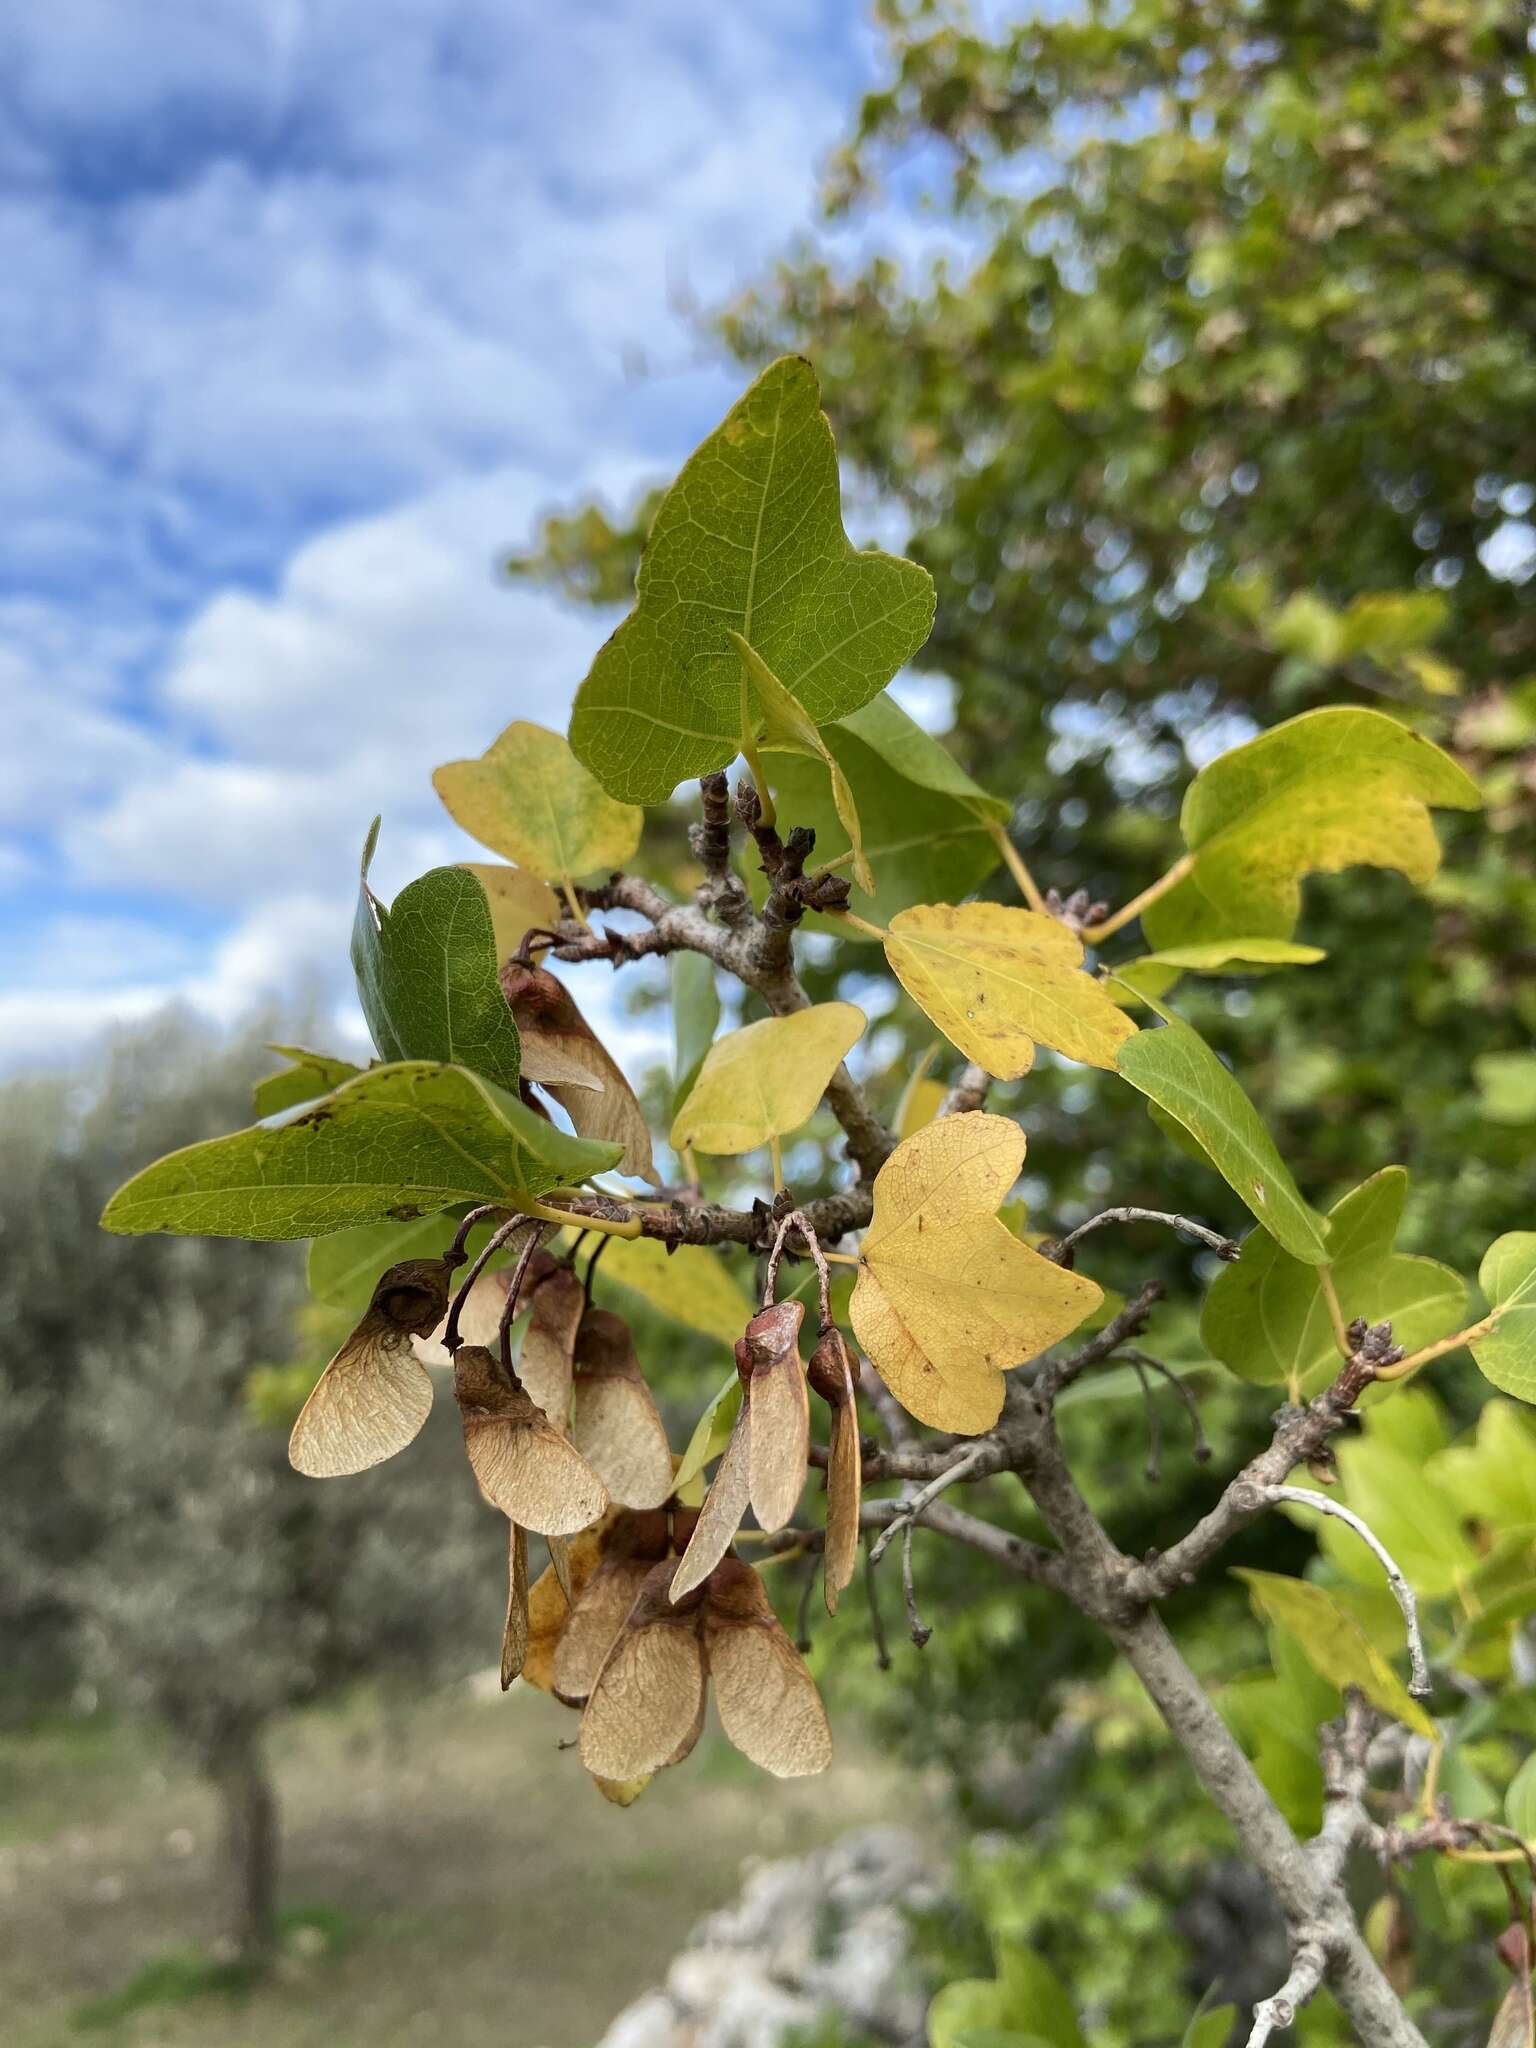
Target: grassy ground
483	1892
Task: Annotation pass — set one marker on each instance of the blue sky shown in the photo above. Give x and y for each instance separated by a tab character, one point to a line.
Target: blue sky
312	306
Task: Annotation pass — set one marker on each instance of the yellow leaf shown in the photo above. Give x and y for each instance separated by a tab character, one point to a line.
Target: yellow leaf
996	980
519	902
529	799
788	726
691	1284
947	1298
766	1079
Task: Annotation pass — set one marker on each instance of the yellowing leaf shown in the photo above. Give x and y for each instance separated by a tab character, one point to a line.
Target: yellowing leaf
1155	973
691	1285
520	903
1178	1072
1325	791
1266	1317
1335	1644
995	980
749	539
786	724
766	1079
529	799
947	1298
1507	1355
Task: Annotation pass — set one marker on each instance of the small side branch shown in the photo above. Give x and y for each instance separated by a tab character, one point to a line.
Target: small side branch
912	1510
1025	1560
1307	1967
1301	1496
1223	1247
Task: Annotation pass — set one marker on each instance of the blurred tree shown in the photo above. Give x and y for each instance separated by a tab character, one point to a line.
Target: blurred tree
155	1542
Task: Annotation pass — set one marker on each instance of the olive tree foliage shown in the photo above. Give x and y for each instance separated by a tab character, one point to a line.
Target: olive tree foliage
898	1279
157	1547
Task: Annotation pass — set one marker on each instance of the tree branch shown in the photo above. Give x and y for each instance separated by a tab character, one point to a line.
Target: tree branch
1213	1240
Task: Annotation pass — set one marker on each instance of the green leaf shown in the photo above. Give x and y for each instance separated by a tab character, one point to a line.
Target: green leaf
343	1268
917	757
1418	1520
749	539
1266	1316
921	843
399	1142
1493	1478
1334	1642
1322	792
1507	1276
1177	1070
1506	1086
310	1075
695	1017
1520	1801
786	726
1035	1998
426	974
529	799
1210	2029
712	1431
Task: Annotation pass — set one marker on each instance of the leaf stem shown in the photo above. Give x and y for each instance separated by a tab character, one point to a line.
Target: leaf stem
573	903
775	1161
1335	1312
870	931
1014	861
1415	1359
1093	933
609	1226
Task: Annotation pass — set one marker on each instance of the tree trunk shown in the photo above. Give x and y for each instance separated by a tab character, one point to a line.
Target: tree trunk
237	1769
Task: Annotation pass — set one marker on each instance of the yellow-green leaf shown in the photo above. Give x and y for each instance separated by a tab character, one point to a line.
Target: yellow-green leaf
1507	1276
947	1298
785	724
766	1079
307	1076
1267	1318
691	1285
520	903
712	1431
749	539
997	980
1335	1644
1177	1070
1155	973
1325	791
529	799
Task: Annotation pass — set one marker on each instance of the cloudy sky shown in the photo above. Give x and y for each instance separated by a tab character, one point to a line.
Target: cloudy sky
311	307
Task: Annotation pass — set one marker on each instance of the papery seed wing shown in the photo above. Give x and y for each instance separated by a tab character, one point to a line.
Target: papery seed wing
549	1344
616	1425
840	1556
649	1690
567	1058
720	1517
552	1598
830	1371
767	1700
515	1633
781	1437
370	1402
533	1475
596	1620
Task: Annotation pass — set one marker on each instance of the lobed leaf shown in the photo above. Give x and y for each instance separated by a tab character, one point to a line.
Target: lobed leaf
765	1079
426	974
1267	1318
1329	790
995	980
1177	1071
947	1298
529	799
749	539
1507	1276
399	1142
